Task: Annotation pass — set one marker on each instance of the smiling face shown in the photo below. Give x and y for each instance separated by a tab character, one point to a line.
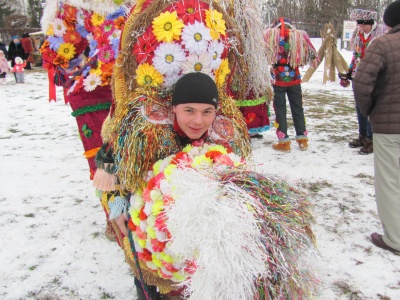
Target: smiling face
194	118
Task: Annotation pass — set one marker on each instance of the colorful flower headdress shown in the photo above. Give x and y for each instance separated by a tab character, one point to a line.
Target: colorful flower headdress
362	14
69	33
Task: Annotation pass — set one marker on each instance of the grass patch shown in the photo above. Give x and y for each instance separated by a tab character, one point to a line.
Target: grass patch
31	215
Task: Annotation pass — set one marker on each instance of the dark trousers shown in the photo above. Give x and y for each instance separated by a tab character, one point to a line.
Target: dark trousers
152	293
295	98
364	126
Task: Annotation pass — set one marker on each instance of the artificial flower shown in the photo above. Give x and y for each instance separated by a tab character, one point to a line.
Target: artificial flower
196	63
107	27
221	72
170	80
61	61
120	12
119	22
72	37
106	54
80	17
196	37
97	19
88	21
69	13
59	27
215	49
144	47
91	82
116	34
81	46
102	41
81	30
168	58
67	50
55	42
216	23
190	11
50	30
147	75
167	27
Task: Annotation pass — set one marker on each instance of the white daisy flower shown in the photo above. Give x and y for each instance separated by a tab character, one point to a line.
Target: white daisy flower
196	63
80	17
196	37
170	80
59	27
116	34
91	82
168	58
215	50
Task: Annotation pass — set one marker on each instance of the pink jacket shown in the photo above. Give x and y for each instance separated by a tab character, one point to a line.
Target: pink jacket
19	68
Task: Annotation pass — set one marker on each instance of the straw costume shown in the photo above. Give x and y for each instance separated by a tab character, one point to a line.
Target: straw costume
289	49
201	223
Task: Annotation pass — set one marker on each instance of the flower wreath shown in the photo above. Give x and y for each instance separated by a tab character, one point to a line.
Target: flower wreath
68	35
203	206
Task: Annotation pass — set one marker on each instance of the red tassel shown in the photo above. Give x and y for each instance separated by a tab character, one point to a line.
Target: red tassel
52	85
282	27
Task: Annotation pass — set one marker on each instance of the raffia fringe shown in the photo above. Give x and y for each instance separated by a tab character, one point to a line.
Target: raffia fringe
104	181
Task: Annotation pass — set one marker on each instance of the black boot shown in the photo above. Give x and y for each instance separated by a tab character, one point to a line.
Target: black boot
368	147
357	143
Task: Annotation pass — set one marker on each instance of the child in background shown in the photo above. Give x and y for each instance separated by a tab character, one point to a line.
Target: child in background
4	67
18	69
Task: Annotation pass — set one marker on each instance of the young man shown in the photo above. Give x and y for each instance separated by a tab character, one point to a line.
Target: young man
376	89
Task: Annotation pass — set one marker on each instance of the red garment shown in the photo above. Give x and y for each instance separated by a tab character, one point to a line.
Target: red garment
27	45
19	68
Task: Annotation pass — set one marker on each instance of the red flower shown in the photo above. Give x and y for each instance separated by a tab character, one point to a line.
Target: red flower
169	267
48	56
88	21
79	48
119	22
190	11
144	48
69	13
213	154
106	54
145	255
72	37
160	223
131	226
107	27
142	214
157	245
61	61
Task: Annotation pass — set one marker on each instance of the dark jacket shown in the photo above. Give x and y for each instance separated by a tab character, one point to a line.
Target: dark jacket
15	50
377	83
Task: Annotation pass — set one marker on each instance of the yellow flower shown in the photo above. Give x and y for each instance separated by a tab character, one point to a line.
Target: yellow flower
219	148
97	19
147	75
142	243
50	30
96	71
157	207
215	22
66	50
201	161
156	167
135	217
166	258
187	148
168	171
167	27
221	72
156	261
151	232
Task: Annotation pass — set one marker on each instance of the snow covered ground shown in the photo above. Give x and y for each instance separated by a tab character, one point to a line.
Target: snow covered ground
52	225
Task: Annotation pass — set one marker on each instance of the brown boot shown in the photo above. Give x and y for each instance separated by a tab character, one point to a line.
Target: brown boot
303	143
282	145
357	143
368	148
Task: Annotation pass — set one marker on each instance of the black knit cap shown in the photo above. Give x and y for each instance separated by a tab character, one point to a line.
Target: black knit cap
195	88
391	17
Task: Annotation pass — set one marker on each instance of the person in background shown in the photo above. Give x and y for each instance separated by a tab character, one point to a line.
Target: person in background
4	67
18	70
3	48
26	42
15	49
376	89
287	79
367	31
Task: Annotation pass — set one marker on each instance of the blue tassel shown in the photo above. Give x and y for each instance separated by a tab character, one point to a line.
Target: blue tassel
117	207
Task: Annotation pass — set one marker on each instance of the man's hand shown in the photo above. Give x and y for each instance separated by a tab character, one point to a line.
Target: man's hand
121	224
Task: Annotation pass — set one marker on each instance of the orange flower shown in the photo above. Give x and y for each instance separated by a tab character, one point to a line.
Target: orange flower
119	22
44	46
72	37
97	33
70	13
60	61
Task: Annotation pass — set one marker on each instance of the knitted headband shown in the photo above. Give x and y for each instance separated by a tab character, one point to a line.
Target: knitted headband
195	88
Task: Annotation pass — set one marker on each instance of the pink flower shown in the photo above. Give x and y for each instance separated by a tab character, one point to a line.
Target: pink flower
106	54
224	160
